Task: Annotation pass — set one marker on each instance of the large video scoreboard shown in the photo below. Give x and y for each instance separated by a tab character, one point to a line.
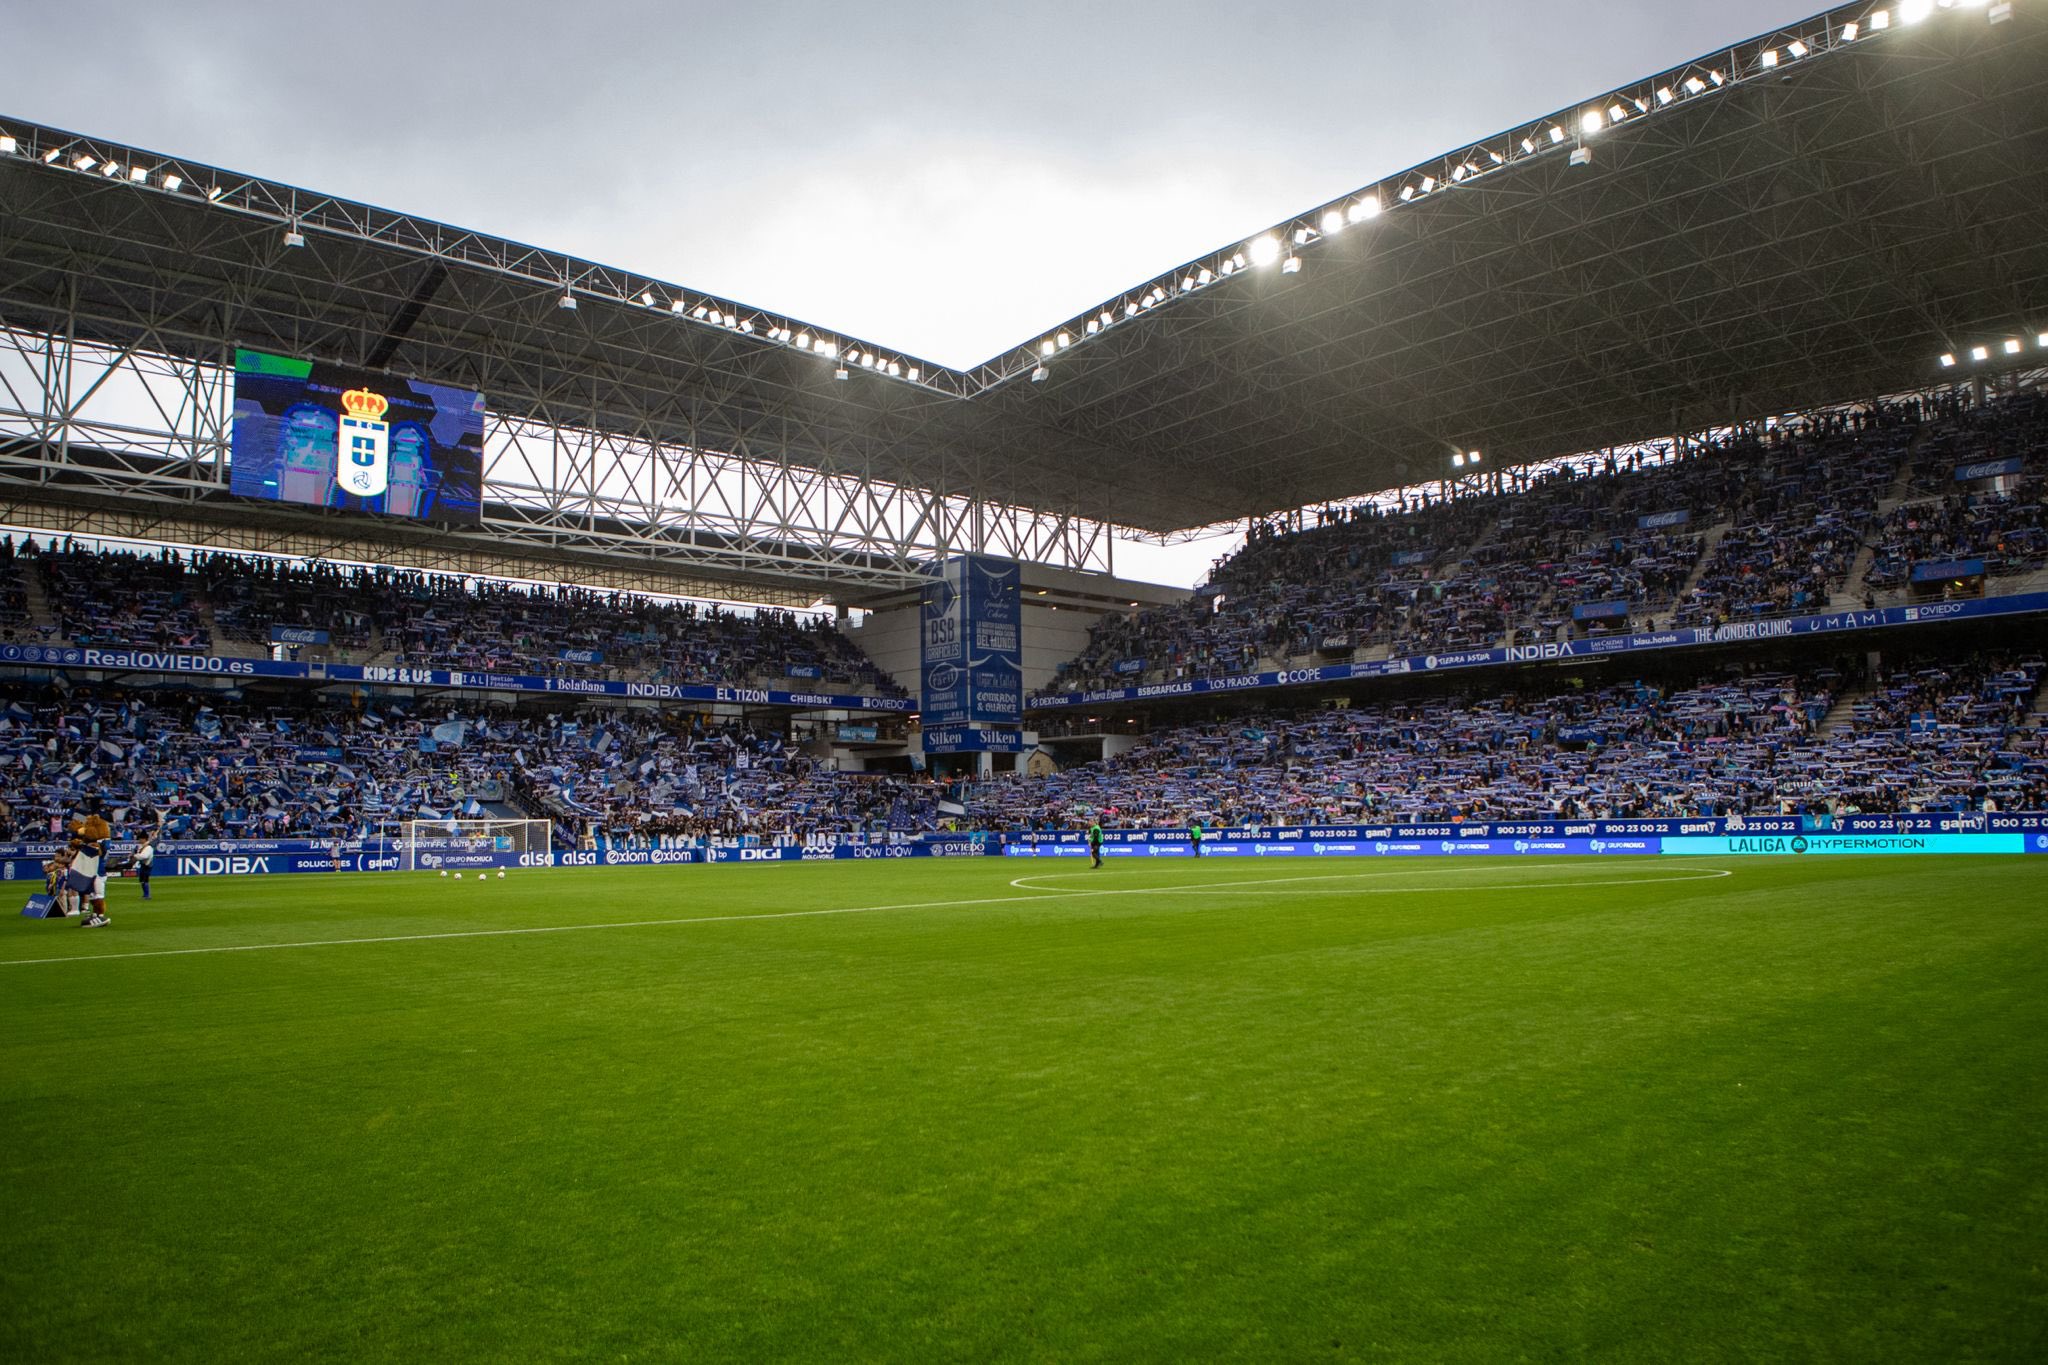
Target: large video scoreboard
333	436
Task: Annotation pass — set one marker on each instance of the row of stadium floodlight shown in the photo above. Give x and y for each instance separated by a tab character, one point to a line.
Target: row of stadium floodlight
282	204
1568	132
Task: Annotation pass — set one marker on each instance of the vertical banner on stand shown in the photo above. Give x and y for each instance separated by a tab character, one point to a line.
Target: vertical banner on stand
995	658
943	645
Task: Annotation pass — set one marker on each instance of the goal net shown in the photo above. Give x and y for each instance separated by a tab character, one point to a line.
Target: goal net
425	845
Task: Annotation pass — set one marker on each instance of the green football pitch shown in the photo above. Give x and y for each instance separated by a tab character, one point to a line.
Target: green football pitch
1601	1109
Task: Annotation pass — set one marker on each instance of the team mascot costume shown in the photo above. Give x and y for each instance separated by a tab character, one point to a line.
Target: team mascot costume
88	874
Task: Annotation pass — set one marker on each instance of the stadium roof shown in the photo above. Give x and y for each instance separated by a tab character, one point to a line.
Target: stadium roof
1808	217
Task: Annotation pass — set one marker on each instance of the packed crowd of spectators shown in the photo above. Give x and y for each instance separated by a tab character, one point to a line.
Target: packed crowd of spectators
1758	523
166	599
249	596
123	597
14	614
1958	509
217	767
1930	737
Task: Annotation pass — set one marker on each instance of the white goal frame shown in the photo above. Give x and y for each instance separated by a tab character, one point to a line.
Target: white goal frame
425	845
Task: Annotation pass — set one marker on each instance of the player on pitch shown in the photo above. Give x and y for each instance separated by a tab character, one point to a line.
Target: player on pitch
1095	843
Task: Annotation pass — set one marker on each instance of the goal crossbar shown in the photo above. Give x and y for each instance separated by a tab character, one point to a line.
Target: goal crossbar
427	845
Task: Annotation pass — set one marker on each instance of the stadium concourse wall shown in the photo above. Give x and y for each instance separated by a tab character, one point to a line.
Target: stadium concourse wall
1968	832
218	666
1642	642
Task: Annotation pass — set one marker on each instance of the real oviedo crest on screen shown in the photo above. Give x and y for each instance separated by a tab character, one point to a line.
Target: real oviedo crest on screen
330	436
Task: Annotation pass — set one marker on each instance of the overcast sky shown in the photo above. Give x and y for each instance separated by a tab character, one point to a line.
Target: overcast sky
947	179
944	179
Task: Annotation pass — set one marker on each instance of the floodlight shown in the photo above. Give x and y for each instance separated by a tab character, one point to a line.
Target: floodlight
1065	339
1458	460
1557	134
174	183
85	161
138	176
803	341
1582	156
2000	12
1108	317
1770	58
1204	275
1264	250
567	303
915	374
853	357
1913	11
1457	174
1948	360
1850	30
1471	457
1364	210
1694	85
2042	341
1040	375
2012	346
1498	159
868	361
1302	236
111	170
1880	19
292	235
1717	78
1795	48
895	369
1664	95
840	372
1428	183
8	145
1592	121
1094	326
1980	353
646	299
1291	266
1616	113
827	349
1046	347
50	157
1130	310
1528	146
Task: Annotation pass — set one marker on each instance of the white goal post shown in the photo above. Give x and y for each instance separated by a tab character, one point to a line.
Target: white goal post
425	845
